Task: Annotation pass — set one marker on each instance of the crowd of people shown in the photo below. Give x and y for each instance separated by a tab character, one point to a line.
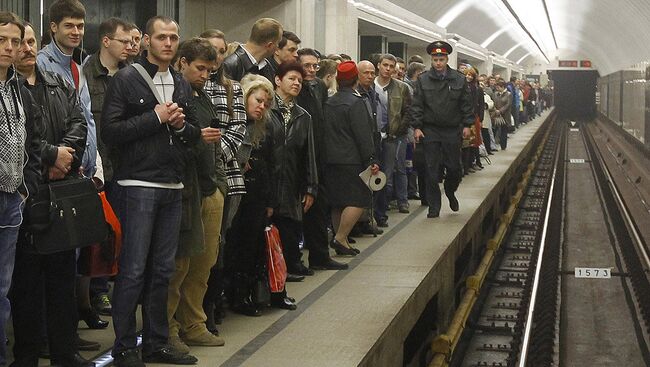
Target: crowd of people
199	145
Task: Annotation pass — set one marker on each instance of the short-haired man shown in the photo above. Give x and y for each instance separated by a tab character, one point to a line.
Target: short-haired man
19	173
136	37
413	71
251	56
287	51
416	58
395	95
400	69
63	56
312	98
442	113
145	123
115	44
63	147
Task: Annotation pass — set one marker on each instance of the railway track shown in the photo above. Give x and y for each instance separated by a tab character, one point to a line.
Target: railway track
560	293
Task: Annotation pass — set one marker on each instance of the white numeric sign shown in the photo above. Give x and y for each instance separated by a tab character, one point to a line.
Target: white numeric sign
597	273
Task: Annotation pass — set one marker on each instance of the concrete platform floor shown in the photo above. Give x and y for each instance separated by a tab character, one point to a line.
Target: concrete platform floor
342	314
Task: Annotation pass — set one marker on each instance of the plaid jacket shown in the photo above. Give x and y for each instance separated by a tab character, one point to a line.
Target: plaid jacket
232	138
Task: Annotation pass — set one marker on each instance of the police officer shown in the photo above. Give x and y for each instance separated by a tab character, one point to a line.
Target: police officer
442	115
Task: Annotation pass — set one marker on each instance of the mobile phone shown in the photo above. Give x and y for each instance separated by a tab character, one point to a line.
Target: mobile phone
215	123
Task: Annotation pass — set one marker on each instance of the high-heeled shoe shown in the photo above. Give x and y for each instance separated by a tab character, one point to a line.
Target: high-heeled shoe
341	249
91	318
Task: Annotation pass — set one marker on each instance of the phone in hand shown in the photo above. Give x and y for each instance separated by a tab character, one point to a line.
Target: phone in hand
217	124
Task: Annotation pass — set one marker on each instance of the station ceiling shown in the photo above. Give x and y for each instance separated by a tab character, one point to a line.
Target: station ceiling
614	35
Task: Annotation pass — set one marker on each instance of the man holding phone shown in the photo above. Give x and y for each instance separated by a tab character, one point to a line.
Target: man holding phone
145	122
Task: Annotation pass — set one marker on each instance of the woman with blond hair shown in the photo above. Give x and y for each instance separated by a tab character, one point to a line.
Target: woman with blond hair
246	241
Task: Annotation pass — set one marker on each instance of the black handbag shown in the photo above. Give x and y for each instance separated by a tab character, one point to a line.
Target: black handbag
65	215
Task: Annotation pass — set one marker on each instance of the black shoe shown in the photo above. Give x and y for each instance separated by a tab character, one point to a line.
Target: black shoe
284	303
295	278
329	264
433	214
356	231
299	269
382	223
414	197
403	209
453	202
169	356
340	249
91	318
128	358
247	308
87	345
74	360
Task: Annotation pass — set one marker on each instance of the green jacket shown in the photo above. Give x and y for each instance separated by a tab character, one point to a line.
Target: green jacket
399	108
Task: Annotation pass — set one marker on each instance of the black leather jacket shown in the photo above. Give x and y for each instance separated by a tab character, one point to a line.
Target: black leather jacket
441	103
144	148
239	64
63	123
312	98
295	160
349	129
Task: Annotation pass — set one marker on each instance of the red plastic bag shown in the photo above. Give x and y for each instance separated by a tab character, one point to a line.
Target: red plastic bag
100	259
275	260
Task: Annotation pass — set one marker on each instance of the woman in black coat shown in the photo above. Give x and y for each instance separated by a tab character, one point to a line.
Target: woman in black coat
349	138
245	245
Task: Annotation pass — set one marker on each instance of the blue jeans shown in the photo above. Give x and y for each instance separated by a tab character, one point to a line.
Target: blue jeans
11	206
393	164
151	219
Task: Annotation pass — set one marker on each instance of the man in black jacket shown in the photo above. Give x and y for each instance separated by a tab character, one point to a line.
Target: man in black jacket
312	98
442	114
62	150
20	142
287	51
145	121
251	56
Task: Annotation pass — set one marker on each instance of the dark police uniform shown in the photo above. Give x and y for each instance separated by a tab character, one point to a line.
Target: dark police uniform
441	108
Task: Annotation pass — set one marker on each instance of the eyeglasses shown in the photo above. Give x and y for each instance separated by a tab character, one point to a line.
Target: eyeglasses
311	66
126	43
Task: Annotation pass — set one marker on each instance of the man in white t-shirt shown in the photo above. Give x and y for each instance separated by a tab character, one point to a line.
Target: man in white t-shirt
150	138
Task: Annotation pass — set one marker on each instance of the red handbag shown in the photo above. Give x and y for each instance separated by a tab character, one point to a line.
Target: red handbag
100	259
275	260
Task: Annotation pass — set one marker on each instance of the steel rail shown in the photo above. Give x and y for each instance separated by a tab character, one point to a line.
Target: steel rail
538	268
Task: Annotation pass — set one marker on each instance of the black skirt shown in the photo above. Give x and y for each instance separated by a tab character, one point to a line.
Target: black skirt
345	188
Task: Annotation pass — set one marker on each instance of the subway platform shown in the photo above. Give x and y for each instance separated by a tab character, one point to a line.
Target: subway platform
398	292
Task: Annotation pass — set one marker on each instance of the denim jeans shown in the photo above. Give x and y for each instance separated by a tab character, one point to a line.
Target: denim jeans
393	164
150	219
11	206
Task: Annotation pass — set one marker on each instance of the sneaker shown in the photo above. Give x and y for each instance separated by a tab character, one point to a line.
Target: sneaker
404	209
169	356
177	344
102	304
128	358
206	339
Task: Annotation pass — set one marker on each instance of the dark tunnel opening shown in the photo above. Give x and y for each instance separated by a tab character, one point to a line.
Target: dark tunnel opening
575	93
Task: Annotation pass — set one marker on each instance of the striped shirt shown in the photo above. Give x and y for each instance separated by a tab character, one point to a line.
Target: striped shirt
232	138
